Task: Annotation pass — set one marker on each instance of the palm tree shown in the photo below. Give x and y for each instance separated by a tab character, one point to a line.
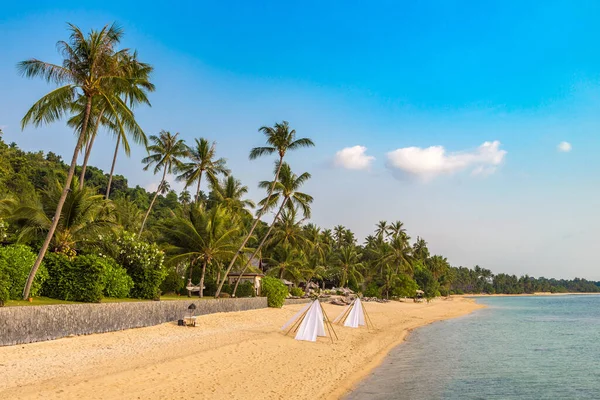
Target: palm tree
348	265
420	250
286	263
397	254
167	152
202	236
381	229
280	140
185	197
86	216
396	229
338	234
139	74
285	190
202	158
90	70
230	194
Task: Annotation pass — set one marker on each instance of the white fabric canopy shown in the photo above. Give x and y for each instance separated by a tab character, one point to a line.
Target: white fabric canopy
312	325
356	317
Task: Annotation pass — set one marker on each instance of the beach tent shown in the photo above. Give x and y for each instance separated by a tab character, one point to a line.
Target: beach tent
354	315
310	322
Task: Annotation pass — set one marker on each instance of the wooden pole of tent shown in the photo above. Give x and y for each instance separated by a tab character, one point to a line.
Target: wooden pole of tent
296	324
346	312
368	317
330	325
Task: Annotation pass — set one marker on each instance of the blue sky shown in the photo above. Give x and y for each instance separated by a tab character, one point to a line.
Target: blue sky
419	87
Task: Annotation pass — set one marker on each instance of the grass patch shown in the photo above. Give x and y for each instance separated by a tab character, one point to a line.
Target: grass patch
36	301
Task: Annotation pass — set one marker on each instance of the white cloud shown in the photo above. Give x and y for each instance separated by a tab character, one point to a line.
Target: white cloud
427	163
353	158
564	147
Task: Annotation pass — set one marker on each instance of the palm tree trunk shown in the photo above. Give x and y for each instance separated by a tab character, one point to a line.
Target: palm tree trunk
198	189
112	168
254	225
202	278
260	245
153	200
88	149
61	201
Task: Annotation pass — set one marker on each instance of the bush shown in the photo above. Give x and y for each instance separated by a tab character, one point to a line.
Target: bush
173	282
404	286
15	263
80	279
4	294
296	291
144	264
245	289
373	290
275	291
427	283
116	281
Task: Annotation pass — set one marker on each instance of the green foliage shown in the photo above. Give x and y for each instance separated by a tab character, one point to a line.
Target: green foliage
275	291
144	264
245	289
116	281
404	286
296	291
15	264
80	279
372	290
173	282
4	293
427	282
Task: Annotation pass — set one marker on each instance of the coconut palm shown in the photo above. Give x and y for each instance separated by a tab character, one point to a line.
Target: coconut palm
135	92
202	157
86	216
138	74
202	237
286	190
396	229
347	265
420	250
168	151
286	263
397	254
185	197
381	229
90	70
230	195
280	140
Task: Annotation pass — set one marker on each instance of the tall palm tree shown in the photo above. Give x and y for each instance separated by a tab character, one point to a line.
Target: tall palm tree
86	216
139	75
202	237
230	194
338	234
348	265
185	197
420	250
397	254
396	229
381	229
202	157
286	262
90	70
280	140
285	190
167	153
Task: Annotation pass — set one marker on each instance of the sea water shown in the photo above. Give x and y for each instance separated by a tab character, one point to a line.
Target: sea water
539	347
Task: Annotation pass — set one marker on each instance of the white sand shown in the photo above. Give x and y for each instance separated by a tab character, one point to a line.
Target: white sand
241	355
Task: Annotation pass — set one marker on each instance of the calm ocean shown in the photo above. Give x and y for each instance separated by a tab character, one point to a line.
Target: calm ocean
517	348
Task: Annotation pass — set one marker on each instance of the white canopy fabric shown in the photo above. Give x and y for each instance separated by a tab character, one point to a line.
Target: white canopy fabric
356	317
312	325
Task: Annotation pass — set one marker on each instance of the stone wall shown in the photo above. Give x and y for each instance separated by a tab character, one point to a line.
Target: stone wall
37	323
289	302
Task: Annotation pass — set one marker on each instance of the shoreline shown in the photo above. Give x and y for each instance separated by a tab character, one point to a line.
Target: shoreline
234	355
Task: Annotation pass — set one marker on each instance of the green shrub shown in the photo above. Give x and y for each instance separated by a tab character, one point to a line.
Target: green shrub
15	263
4	293
296	291
427	283
80	279
116	281
372	290
173	282
275	291
144	264
404	286
245	289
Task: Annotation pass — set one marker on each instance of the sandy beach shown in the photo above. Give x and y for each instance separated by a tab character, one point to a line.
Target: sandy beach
241	355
